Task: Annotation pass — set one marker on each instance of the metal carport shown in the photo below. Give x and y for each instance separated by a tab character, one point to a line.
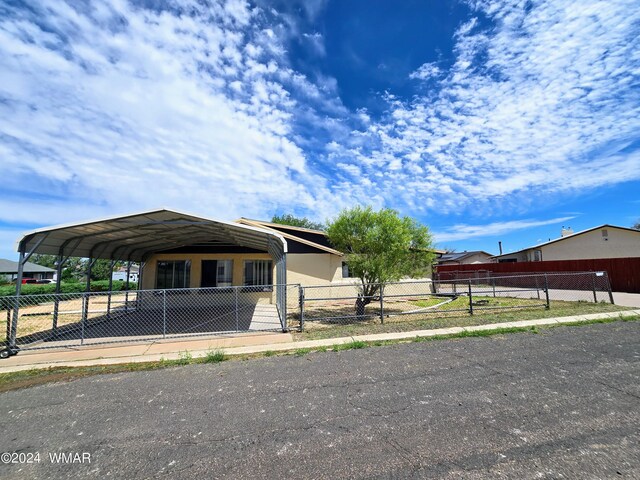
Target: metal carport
133	237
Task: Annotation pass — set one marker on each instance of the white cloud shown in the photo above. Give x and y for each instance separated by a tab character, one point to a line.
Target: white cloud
316	42
465	232
542	102
113	108
107	107
425	72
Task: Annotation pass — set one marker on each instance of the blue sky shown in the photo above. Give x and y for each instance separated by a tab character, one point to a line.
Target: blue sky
486	120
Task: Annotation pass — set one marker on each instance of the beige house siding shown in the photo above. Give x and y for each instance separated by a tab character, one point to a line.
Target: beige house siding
618	244
314	268
149	273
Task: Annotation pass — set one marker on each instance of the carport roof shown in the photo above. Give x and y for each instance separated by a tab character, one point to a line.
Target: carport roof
134	236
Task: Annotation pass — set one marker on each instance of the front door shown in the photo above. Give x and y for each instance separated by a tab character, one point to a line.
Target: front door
217	273
209	273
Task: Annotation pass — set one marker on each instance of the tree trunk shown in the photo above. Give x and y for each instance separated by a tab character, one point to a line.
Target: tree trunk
361	302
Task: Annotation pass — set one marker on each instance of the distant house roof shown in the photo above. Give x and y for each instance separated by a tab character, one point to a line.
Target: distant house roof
9	266
573	235
458	256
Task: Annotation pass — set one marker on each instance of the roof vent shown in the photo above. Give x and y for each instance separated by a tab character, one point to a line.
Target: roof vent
565	232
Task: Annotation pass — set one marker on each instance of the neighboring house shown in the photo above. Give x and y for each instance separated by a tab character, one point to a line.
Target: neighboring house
464	258
604	241
121	274
9	271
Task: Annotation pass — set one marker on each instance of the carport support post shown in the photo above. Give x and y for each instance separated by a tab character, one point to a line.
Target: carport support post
16	308
126	288
56	302
237	320
113	262
164	313
470	300
85	303
546	291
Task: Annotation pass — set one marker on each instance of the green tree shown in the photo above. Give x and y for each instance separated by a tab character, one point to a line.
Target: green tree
44	260
304	222
380	247
636	225
102	269
73	269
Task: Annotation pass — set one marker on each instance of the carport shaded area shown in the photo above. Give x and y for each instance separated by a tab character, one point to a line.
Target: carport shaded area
133	238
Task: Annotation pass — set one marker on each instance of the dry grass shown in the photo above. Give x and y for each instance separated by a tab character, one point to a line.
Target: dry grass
39	317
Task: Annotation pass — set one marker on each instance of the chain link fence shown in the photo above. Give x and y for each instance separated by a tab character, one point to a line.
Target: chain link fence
72	319
326	305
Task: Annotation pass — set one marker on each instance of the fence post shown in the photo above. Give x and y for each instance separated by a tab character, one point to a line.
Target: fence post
493	281
537	287
546	291
237	318
301	300
470	300
164	313
606	275
381	304
85	311
593	285
8	317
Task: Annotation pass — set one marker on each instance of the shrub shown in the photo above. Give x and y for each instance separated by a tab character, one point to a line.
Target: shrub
65	287
215	356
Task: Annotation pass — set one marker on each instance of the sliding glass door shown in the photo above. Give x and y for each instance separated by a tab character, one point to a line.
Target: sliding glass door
217	273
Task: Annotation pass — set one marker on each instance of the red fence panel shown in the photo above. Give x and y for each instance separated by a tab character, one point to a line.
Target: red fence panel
624	273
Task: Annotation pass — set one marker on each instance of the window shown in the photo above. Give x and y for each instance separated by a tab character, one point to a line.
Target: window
537	255
345	270
173	274
605	234
258	272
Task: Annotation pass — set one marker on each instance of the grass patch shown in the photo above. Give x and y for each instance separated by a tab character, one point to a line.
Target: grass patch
355	344
300	352
436	319
185	358
34	377
215	356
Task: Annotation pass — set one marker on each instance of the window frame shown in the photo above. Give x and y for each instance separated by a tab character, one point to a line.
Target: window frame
186	274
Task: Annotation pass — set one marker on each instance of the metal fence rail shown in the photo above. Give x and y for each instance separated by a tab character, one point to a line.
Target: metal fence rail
325	305
72	319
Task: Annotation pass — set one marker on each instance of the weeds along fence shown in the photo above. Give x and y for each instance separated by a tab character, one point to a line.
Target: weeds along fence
325	305
73	319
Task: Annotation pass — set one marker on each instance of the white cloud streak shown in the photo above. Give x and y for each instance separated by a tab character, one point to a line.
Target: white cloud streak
466	232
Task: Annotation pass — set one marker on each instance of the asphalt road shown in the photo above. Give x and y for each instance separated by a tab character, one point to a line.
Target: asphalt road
564	403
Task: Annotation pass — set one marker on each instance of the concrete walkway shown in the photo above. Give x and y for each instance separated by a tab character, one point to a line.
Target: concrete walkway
247	344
